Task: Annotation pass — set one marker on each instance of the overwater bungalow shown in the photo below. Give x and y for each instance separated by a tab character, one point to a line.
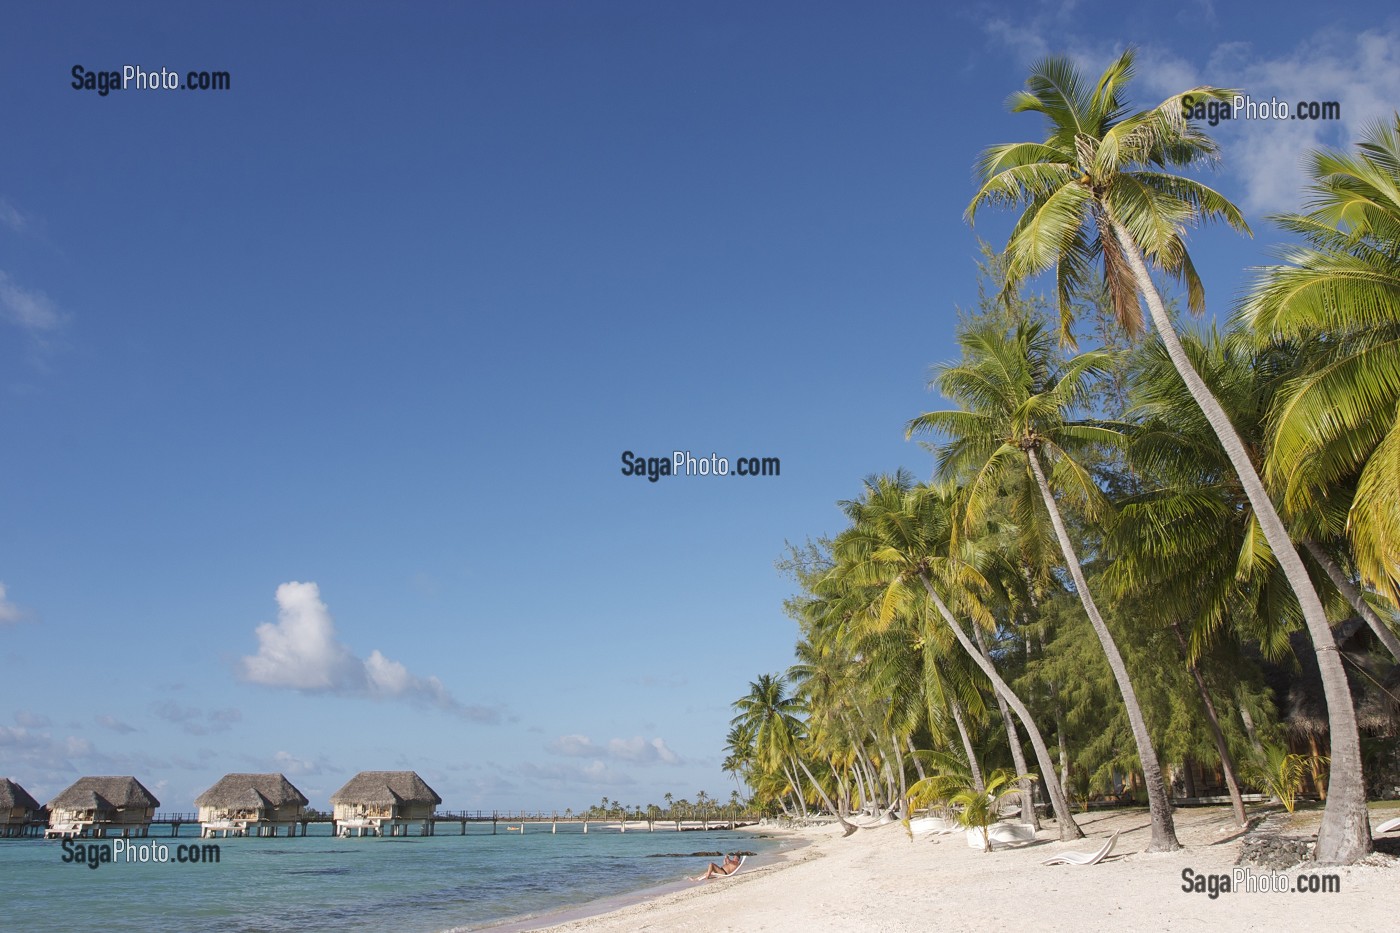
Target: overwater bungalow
256	804
19	812
101	806
374	801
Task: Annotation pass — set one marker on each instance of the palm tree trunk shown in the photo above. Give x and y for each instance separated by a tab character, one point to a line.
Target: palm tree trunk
1248	721
864	777
1018	756
1069	829
1061	741
821	792
972	762
1227	763
1163	830
914	754
1345	833
1353	595
903	777
796	790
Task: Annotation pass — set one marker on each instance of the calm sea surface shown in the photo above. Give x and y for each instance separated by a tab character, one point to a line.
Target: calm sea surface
320	883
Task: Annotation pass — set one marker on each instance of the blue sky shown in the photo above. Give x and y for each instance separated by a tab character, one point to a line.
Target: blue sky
313	391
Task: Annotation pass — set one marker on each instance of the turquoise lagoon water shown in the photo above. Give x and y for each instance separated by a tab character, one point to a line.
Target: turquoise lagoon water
320	883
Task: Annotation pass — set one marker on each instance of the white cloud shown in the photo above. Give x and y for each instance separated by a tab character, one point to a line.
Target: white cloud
574	775
11	217
575	746
28	310
9	612
1360	72
643	751
637	750
301	652
287	763
1262	161
114	724
30	719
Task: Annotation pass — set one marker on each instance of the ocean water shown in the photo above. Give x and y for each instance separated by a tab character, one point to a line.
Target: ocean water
320	883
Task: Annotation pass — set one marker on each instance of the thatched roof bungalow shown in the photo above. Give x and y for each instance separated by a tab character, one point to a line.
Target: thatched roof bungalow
99	805
18	810
262	803
373	800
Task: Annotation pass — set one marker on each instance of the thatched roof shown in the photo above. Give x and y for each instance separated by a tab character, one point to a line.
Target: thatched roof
386	787
104	793
1374	680
12	795
251	790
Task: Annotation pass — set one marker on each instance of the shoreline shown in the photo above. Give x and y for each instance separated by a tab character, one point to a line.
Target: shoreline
882	879
794	842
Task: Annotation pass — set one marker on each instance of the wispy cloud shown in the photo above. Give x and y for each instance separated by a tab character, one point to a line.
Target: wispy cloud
573	776
1359	72
301	651
114	724
9	612
11	217
194	721
30	311
637	750
289	764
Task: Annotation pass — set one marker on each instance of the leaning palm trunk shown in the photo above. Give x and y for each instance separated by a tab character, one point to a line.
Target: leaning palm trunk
903	778
972	763
1353	595
918	766
1227	763
796	790
1345	833
1018	756
1163	830
821	792
1069	829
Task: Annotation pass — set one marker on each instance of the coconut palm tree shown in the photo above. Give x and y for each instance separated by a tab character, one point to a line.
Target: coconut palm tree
900	539
975	807
1338	296
1099	187
772	714
1016	401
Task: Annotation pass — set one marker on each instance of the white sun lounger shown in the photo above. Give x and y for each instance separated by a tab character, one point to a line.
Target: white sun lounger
1002	834
1083	858
1389	826
935	825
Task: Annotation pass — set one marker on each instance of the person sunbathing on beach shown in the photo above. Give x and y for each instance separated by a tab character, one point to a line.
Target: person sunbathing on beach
730	866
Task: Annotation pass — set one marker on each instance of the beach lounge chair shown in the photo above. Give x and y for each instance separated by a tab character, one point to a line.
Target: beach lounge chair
1389	826
1002	834
1083	858
935	825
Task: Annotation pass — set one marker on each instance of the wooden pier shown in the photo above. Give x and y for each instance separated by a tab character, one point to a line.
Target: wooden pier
514	821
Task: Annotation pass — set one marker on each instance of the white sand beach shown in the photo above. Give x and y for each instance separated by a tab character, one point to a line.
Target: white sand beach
880	880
